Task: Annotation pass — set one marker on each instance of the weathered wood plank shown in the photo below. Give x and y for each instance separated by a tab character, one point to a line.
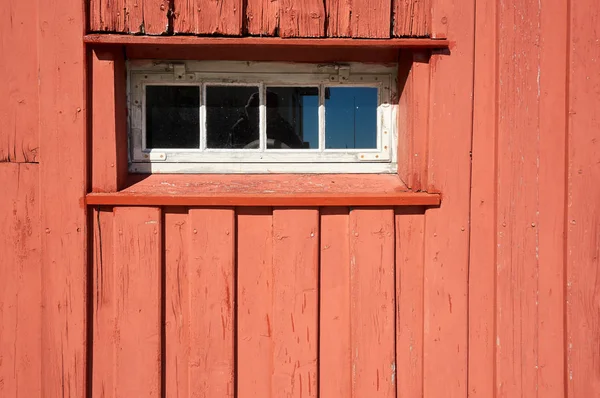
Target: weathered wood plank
185	14
61	77
19	104
373	302
137	297
583	234
104	302
211	295
255	349
371	18
177	303
339	18
129	16
20	281
412	18
262	17
410	229
296	302
109	120
335	346
155	16
219	17
305	19
447	227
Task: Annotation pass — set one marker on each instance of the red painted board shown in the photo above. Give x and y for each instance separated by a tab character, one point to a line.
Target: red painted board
20	281
211	298
208	17
262	17
371	19
410	230
412	18
131	331
19	104
583	211
372	263
61	84
155	16
255	341
339	18
295	302
335	346
301	19
109	120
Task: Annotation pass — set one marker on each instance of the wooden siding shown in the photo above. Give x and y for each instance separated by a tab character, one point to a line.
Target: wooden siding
284	18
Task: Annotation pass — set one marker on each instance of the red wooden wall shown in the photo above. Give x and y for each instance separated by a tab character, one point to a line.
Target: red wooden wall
494	293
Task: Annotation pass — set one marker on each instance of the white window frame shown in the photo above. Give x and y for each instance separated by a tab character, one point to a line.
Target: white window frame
382	159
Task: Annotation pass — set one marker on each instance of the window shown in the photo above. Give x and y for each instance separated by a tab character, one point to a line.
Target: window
249	117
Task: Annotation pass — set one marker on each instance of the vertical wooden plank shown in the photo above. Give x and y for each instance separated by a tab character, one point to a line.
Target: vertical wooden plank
296	302
373	302
335	348
132	19
442	16
155	14
371	19
104	302
412	18
211	295
410	229
137	301
262	17
62	91
447	227
19	130
109	121
482	270
583	238
20	284
339	18
219	17
177	303
552	177
301	19
184	16
255	303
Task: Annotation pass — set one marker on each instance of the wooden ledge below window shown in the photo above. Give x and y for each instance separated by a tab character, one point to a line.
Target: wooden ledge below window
265	190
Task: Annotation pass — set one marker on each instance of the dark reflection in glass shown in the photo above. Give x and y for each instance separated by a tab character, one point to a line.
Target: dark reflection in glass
293	117
172	117
351	118
232	116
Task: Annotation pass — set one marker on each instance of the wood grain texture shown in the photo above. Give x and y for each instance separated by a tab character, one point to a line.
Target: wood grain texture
211	295
583	217
255	345
185	15
155	14
373	302
484	232
129	16
178	308
262	17
339	18
133	314
295	302
61	87
109	120
412	18
371	18
19	104
410	230
20	281
222	17
305	19
335	345
447	227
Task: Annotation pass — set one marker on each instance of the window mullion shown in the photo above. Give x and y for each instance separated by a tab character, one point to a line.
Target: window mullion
202	110
321	117
262	117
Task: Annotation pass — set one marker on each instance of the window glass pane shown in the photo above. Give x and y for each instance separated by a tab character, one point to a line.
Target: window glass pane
172	117
232	116
292	117
351	118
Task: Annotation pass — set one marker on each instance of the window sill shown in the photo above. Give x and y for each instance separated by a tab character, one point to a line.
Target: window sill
265	190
